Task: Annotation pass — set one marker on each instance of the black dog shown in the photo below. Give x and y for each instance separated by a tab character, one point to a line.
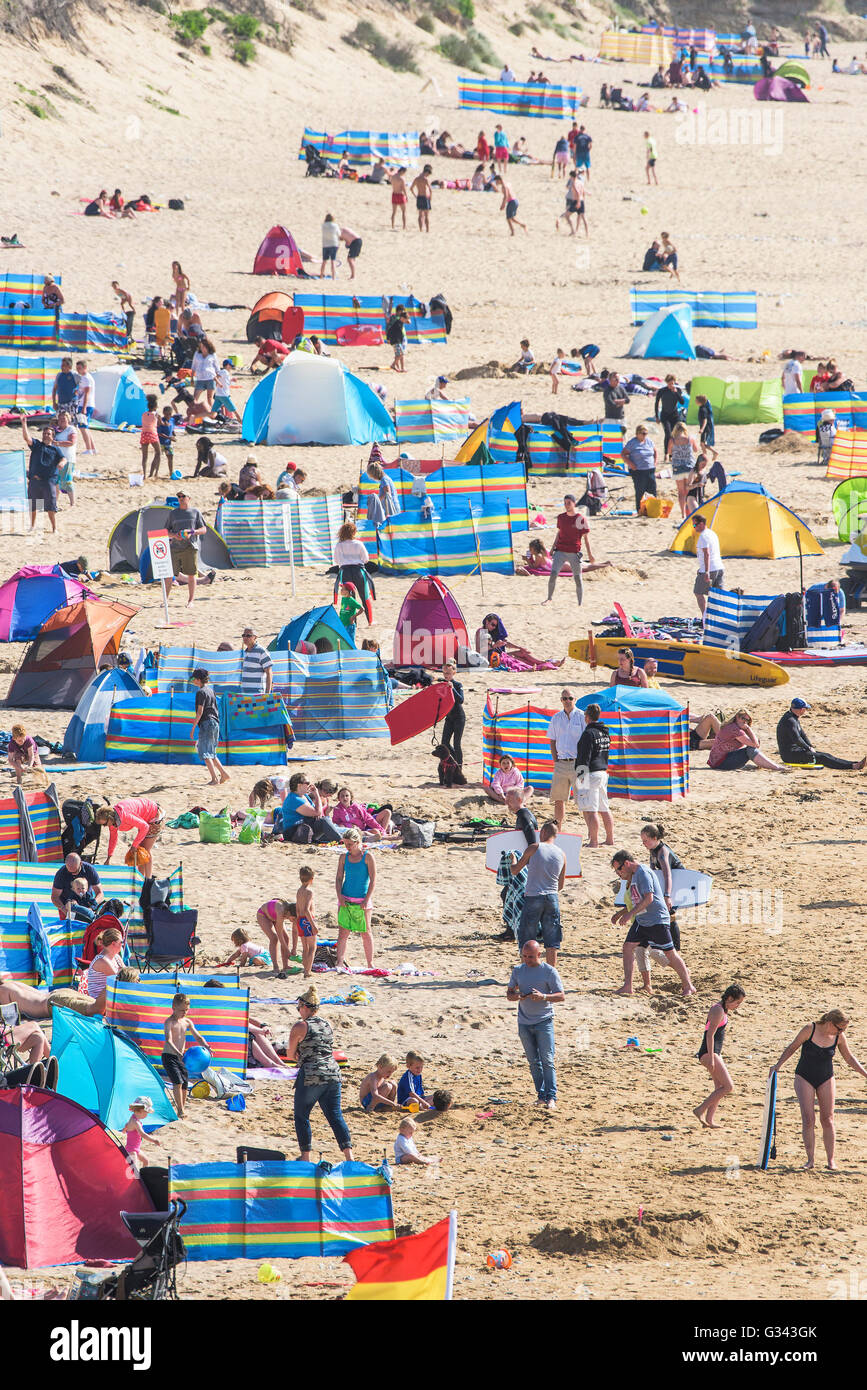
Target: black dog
448	771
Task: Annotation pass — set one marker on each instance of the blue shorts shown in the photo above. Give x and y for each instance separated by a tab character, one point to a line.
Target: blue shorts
329	253
582	161
226	402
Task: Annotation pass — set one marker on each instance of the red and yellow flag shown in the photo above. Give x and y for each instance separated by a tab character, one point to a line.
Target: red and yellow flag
414	1267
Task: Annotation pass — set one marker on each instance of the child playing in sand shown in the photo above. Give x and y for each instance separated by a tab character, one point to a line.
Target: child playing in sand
22	754
175	1030
149	439
377	1090
134	1130
410	1087
305	918
440	1102
405	1150
507	778
271	918
245	953
223	399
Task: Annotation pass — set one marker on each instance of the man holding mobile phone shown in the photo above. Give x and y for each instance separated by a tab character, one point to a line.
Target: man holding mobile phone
536	987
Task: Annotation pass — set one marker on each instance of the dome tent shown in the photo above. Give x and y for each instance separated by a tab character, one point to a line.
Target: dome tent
84	739
128	550
750	523
314	400
274	316
118	397
430	627
308	627
31	595
279	254
665	333
103	1070
65	655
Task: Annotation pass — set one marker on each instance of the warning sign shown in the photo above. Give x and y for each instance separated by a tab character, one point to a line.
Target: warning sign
161	555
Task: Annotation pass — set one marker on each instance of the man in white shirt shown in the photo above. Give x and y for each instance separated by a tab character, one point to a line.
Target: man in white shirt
564	731
710	565
507	75
793	382
84	402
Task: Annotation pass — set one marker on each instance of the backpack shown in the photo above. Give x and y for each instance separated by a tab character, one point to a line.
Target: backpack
176	204
416	834
299	834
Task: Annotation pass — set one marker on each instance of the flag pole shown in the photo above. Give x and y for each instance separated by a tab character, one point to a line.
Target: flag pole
478	551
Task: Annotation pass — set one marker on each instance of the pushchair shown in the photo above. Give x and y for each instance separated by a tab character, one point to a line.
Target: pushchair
152	1276
317	167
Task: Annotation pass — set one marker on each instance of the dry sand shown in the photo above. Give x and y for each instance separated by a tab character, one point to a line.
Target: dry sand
568	1187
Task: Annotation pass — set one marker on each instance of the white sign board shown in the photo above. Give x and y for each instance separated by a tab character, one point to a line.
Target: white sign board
161	555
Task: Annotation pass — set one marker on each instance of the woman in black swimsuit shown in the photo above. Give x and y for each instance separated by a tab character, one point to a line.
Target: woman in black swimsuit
711	1056
814	1078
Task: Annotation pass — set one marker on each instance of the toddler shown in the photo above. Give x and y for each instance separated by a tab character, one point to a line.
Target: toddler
405	1150
134	1130
246	953
22	754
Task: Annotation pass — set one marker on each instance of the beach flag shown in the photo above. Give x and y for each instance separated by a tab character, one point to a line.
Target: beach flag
414	1268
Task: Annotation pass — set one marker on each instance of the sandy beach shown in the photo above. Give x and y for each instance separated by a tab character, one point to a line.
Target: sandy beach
782	217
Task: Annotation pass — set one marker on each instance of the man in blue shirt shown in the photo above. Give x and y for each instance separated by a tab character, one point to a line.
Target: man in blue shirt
537	987
640	456
648	920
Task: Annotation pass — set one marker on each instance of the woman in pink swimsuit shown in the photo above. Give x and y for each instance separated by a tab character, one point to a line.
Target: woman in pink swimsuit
271	918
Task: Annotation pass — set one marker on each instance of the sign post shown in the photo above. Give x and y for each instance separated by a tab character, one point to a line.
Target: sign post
161	563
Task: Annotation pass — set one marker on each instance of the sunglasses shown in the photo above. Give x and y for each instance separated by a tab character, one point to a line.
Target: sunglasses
567	699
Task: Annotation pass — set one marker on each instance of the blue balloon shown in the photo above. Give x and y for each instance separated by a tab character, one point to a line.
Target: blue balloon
196	1059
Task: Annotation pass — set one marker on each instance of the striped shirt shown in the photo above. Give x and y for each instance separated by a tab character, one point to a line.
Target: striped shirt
255	663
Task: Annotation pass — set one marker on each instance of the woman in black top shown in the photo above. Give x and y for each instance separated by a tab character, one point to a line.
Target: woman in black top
710	1054
591	776
206	726
669	400
814	1077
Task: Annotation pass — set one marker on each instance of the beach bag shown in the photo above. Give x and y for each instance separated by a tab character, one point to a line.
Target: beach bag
225	1083
176	204
299	834
215	830
793	629
416	834
764	635
251	831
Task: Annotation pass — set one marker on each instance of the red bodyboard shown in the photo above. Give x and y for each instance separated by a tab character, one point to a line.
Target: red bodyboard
293	324
420	712
369	336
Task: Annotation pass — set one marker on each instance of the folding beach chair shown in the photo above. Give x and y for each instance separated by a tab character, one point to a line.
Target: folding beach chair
171	944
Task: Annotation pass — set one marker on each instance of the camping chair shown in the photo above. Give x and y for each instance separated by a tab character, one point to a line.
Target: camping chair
243	1154
163	329
9	1019
172	941
93	930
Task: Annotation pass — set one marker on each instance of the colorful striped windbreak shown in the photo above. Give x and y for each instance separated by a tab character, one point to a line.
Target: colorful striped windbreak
26	380
37	330
453	484
30	827
158	729
13	481
802	412
848	457
731	614
324	314
746	67
23	884
649	757
272	533
258	1211
363	146
627	47
18	290
547	458
431	422
140	1008
330	695
710	308
17	956
451	540
518	99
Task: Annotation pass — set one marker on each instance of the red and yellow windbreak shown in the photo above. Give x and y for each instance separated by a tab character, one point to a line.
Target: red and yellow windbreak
414	1268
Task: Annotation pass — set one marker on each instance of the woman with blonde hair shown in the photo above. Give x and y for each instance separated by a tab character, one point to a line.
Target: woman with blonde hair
107	964
814	1078
356	880
311	1045
683	452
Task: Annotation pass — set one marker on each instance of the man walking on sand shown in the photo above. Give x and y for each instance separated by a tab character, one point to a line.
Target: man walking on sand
398	195
650	165
510	204
546	871
564	734
710	566
536	987
423	189
648	920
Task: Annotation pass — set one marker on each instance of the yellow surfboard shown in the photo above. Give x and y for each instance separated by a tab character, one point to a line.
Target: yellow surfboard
685	661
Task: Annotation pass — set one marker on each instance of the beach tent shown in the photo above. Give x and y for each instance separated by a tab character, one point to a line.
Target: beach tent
665	334
856	553
273	533
738	402
30	595
13	481
363	146
730	614
710	308
274	316
138	1009
103	1070
314	400
848	457
22	290
281	1210
66	654
518	99
84	739
430	626
849	505
128	551
649	756
431	422
802	411
794	71
65	1183
118	397
30	825
278	254
779	88
454	540
749	523
310	626
27	380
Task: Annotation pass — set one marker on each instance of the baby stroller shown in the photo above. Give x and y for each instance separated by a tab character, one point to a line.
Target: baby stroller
317	167
152	1275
